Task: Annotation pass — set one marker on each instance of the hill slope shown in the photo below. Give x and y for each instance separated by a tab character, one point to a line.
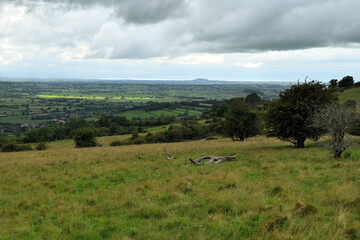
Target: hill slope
131	192
350	94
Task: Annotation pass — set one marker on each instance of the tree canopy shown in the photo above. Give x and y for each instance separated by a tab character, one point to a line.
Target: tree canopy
241	123
288	118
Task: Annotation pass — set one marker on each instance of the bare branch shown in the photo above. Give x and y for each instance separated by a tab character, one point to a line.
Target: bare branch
170	156
336	120
213	159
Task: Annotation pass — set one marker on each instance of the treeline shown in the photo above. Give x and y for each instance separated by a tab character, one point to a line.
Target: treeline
153	106
237	118
288	118
345	83
189	129
106	126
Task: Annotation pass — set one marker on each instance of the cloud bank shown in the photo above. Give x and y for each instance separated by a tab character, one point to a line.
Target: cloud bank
138	29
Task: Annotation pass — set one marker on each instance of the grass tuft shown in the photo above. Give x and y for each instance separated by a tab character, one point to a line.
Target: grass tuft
276	223
304	210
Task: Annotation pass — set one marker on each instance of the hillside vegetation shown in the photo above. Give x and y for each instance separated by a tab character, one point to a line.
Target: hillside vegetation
271	191
350	94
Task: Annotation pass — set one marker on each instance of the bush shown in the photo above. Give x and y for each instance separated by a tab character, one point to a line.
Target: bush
23	147
9	147
116	143
41	146
85	137
351	104
150	138
354	128
14	147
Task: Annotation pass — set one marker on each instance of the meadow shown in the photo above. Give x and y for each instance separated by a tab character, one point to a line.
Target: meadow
271	191
353	94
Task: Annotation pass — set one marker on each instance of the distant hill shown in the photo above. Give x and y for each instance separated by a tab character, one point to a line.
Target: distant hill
133	81
201	80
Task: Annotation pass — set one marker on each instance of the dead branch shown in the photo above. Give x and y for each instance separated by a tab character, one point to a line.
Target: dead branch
213	159
170	156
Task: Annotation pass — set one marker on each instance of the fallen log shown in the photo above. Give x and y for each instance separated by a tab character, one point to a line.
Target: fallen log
213	159
170	156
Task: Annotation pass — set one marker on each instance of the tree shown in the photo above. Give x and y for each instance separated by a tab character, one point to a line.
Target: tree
333	83
240	122
85	137
287	118
347	81
253	99
336	120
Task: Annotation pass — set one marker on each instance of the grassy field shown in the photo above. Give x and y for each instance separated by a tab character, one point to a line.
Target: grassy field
350	94
271	191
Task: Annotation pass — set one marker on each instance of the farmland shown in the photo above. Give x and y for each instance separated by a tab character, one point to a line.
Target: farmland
41	102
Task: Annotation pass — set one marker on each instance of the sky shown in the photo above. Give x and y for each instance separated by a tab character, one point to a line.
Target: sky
180	39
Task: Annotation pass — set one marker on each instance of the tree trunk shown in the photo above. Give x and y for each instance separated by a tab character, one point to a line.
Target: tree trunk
300	143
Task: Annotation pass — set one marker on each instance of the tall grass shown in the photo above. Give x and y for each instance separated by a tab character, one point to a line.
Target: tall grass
271	191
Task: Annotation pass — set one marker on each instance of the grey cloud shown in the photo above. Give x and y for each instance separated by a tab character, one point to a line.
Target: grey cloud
144	11
276	25
149	28
132	11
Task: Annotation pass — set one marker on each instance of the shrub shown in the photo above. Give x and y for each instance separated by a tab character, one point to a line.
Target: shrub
24	147
116	143
139	140
9	147
351	104
354	128
12	146
41	146
336	120
85	137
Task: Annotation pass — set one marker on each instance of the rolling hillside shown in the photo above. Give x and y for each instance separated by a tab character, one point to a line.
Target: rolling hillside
271	191
350	94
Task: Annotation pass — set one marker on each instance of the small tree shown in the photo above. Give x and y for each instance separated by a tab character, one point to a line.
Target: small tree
253	99
240	122
336	120
347	81
333	83
85	137
287	118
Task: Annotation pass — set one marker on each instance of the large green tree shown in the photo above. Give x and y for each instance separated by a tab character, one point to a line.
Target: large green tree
347	81
85	137
288	118
240	122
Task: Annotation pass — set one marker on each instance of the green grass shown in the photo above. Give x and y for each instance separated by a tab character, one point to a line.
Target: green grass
350	94
271	191
158	113
135	114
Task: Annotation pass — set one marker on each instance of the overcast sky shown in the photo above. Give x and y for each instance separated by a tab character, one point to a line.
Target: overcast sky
180	39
